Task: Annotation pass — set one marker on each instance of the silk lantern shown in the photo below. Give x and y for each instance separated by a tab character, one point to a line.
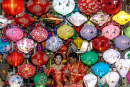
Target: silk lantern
111	6
13	7
38	7
4	21
112	78
78	42
26	70
127	32
15	81
127	56
14	33
63	7
100	69
65	32
122	67
40	80
122	42
110	31
39	34
88	32
100	43
54	43
88	7
15	58
111	56
25	45
90	80
122	17
89	58
128	77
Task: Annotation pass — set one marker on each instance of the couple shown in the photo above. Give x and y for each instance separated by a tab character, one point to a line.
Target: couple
70	75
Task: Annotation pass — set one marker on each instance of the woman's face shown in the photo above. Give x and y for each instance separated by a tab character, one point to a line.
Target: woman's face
58	59
72	60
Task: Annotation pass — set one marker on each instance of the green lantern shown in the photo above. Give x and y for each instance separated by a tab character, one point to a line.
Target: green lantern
127	32
89	58
40	80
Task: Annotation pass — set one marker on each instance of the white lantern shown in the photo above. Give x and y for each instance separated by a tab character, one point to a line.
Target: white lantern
77	19
4	21
90	80
122	66
86	46
111	56
63	7
127	56
112	78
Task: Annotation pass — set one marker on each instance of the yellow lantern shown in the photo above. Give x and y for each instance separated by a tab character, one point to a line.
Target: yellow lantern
65	32
122	17
78	42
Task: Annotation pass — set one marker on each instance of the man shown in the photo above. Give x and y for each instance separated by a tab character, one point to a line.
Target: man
75	71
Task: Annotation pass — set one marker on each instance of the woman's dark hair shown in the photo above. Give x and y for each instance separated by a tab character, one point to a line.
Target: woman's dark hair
73	55
58	54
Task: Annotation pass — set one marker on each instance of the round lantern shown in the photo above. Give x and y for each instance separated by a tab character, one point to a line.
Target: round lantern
39	34
90	80
78	42
13	7
25	45
111	56
112	78
127	56
38	7
128	77
63	7
15	58
54	43
4	21
65	32
14	33
15	81
40	80
26	70
88	7
127	32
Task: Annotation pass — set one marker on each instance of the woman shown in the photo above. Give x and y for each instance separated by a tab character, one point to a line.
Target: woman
57	70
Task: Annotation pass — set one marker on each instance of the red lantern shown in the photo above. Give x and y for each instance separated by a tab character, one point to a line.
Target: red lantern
38	7
15	58
13	7
26	70
88	6
100	43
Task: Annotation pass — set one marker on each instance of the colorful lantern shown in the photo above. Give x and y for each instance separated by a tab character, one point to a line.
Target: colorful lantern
111	56
39	34
15	81
89	58
14	33
25	45
38	7
54	43
40	80
63	7
65	32
127	56
88	7
100	69
128	77
122	66
122	42
122	17
4	21
26	70
90	80
127	32
78	42
100	43
13	7
88	32
112	78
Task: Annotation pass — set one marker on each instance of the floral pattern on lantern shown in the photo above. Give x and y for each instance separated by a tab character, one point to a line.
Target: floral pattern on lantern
4	21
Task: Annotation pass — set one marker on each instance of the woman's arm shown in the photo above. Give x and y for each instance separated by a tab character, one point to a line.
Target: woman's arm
47	72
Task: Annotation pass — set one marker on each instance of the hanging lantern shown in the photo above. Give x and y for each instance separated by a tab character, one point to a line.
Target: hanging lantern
122	17
122	66
40	80
26	70
13	7
78	42
15	81
25	45
111	56
90	80
112	78
63	7
127	56
127	32
4	21
128	77
38	7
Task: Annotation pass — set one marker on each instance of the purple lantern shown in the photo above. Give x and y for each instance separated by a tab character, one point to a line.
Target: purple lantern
122	42
88	32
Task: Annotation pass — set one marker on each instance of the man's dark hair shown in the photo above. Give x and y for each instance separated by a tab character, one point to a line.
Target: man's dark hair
58	54
73	55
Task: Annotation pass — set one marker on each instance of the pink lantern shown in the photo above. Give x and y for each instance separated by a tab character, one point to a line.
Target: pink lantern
128	77
14	33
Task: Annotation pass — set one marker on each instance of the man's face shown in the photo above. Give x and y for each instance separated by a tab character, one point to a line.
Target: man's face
72	60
